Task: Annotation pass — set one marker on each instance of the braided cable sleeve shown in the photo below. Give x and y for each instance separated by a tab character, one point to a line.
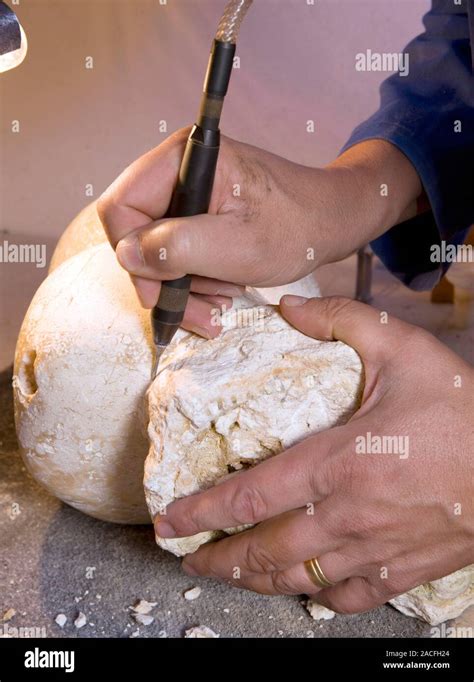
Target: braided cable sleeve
229	25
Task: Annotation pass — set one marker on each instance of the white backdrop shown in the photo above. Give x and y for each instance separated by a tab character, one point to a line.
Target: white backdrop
82	126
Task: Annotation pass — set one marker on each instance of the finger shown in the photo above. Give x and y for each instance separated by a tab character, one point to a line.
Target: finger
402	573
148	290
294	580
354	595
215	287
214	246
200	317
284	482
222	303
142	192
273	545
357	324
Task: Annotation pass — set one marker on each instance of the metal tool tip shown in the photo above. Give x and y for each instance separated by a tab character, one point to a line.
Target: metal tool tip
156	361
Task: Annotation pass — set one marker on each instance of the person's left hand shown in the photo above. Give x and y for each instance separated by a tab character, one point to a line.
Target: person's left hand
382	523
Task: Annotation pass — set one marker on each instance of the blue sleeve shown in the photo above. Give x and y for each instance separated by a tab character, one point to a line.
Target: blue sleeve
429	115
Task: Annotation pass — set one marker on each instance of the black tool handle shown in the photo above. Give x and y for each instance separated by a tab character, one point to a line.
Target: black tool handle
191	196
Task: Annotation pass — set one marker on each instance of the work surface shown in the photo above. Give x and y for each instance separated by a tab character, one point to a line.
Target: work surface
48	550
56	560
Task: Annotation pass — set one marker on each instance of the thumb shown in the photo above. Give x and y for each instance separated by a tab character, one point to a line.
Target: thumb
374	334
207	245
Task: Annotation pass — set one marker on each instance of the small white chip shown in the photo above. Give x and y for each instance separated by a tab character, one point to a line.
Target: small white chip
61	620
80	621
200	632
192	593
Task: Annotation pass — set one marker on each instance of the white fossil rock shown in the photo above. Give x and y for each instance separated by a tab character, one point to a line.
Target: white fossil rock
224	404
80	621
318	611
82	233
192	594
143	618
143	606
231	402
200	632
82	367
61	620
439	600
8	615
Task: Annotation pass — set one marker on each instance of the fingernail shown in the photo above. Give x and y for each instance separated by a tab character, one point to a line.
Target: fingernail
129	254
202	332
165	529
206	333
188	569
143	302
294	301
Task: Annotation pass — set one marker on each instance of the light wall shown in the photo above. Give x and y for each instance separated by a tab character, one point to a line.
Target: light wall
82	126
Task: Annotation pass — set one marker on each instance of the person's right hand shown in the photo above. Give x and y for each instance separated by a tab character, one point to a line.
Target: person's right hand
271	221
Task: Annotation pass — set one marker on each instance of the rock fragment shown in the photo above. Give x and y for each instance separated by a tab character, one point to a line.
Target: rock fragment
200	632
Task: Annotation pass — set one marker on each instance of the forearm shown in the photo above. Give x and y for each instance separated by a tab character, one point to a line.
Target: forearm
378	188
427	116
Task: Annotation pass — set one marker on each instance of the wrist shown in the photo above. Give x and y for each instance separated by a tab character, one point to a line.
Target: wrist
378	188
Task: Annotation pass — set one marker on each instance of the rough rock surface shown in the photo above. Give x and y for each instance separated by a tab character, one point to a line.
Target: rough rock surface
221	405
200	632
82	367
319	612
57	460
82	233
441	599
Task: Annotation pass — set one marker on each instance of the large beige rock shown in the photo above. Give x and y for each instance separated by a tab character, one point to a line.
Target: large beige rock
84	232
82	367
218	406
441	599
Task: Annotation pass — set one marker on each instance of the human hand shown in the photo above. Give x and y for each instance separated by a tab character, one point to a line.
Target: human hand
270	221
382	523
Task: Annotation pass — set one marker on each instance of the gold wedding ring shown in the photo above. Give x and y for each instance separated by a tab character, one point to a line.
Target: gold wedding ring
316	574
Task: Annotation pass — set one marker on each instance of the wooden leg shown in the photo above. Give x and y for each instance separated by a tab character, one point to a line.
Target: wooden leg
364	275
443	292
